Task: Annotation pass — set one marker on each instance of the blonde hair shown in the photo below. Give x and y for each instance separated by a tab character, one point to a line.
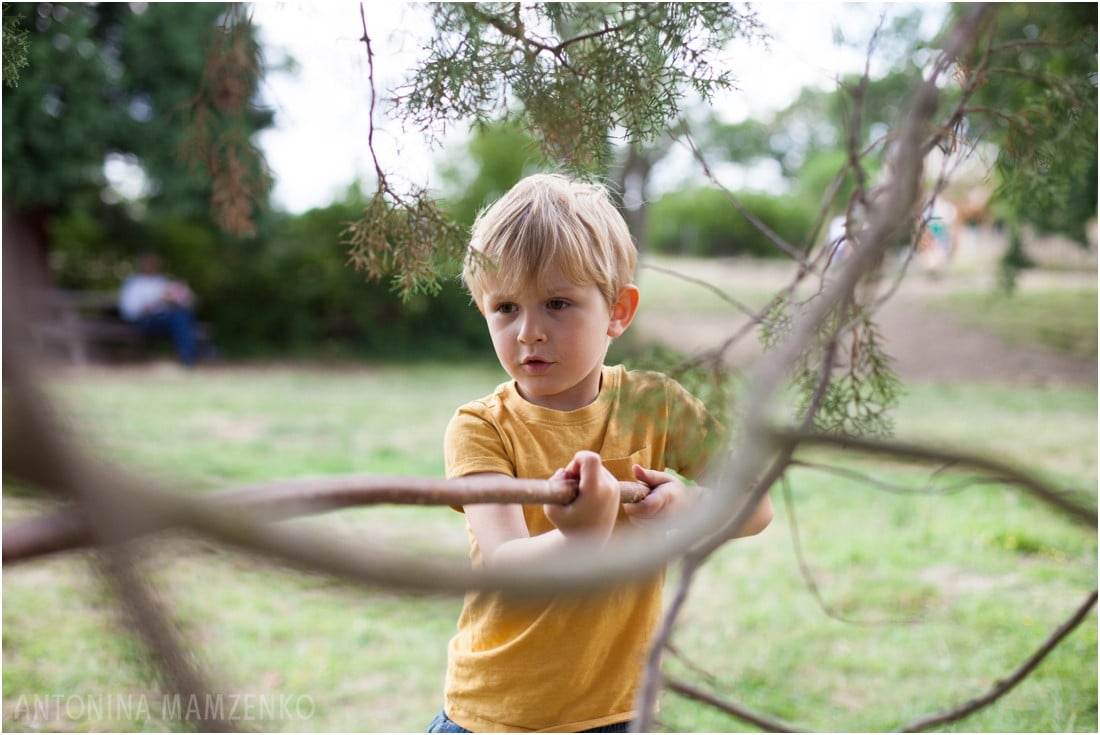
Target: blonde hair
548	220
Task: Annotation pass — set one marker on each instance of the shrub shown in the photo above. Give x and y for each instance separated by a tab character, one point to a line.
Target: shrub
300	295
289	290
702	222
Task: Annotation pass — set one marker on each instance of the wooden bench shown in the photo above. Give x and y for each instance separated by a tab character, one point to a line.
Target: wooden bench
81	324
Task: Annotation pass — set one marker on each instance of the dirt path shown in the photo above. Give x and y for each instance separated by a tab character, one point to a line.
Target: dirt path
926	343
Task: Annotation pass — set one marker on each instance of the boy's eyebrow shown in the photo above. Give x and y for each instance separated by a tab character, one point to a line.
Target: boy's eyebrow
560	287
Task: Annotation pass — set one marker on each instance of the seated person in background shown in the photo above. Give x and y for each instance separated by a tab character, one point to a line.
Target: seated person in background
160	306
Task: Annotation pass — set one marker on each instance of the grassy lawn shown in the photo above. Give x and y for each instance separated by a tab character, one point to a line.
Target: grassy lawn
1063	319
945	590
934	594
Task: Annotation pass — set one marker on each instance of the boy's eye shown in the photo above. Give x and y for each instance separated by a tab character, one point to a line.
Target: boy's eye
505	308
557	304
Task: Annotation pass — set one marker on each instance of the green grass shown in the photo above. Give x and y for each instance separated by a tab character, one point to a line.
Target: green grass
983	571
1064	320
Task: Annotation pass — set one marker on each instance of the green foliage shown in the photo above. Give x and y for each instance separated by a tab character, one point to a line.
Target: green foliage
578	71
406	237
112	80
87	255
1038	102
60	122
292	291
570	74
287	291
15	49
702	222
860	388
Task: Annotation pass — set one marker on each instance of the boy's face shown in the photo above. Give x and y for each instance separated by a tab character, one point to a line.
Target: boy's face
552	338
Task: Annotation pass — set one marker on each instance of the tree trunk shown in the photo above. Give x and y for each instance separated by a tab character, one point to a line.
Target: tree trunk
26	249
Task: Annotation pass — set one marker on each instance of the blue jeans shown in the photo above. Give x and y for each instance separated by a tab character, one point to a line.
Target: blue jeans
178	323
443	723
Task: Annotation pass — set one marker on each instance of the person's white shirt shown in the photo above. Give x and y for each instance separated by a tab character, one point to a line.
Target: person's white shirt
140	292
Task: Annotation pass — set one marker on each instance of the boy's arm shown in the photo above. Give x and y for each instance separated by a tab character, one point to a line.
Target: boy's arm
502	534
668	496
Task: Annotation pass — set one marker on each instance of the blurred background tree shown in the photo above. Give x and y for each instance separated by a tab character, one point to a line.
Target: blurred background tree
1037	103
113	127
97	132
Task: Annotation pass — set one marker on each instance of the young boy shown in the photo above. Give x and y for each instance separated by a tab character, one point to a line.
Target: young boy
550	266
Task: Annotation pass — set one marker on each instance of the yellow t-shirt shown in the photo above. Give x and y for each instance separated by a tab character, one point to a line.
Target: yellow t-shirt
573	662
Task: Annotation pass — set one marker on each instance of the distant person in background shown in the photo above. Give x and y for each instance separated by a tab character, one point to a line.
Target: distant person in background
161	306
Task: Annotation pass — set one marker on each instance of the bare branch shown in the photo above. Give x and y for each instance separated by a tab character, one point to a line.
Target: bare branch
1005	685
652	677
748	311
1027	481
766	724
928	488
632	554
373	94
153	623
808	576
67	529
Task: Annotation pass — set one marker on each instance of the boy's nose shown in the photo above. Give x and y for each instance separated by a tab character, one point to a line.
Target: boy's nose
531	330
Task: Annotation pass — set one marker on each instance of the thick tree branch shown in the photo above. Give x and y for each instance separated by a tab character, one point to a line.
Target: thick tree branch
67	528
50	462
1016	476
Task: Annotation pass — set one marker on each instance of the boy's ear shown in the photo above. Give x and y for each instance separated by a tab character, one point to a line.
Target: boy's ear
623	310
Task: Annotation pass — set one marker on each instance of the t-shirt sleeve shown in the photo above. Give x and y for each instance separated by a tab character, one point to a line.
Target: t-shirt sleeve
472	443
696	436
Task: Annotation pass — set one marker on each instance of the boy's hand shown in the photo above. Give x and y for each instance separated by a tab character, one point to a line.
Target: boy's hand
666	496
596	506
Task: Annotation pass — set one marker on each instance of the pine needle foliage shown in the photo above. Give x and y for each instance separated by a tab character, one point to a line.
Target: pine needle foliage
1036	98
218	142
15	49
407	237
844	378
573	74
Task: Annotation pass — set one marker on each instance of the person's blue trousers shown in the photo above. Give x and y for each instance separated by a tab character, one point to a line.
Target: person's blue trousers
178	323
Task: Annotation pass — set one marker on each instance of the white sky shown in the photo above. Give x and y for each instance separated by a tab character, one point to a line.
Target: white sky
318	146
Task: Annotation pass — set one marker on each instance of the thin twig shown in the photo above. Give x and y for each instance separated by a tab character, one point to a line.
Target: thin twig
740	306
651	675
767	724
373	94
928	488
775	239
1004	686
808	576
1019	477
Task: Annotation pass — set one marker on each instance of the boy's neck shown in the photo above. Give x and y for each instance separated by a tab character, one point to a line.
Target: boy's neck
565	407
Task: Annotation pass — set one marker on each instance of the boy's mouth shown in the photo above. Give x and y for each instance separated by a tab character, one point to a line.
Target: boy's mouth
536	365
